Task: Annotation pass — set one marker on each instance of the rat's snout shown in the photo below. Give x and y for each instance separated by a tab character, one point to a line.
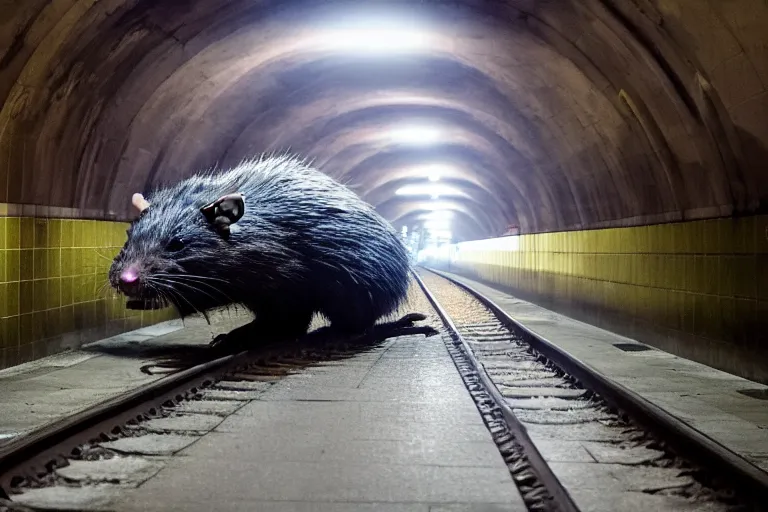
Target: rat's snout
129	280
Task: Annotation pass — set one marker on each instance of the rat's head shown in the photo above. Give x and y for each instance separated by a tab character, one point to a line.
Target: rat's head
169	245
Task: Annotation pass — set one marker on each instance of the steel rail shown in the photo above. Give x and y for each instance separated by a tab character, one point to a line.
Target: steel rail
560	495
684	438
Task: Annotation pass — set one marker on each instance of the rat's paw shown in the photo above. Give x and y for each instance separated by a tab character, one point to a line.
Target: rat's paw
229	342
427	330
414	317
408	320
218	341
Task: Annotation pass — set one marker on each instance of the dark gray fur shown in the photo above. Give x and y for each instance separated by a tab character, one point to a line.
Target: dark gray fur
305	244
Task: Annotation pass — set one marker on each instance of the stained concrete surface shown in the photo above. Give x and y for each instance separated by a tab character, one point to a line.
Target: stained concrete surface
183	423
151	444
390	429
38	393
705	398
130	470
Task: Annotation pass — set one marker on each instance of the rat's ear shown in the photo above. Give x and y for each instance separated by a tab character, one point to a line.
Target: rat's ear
139	202
230	206
224	211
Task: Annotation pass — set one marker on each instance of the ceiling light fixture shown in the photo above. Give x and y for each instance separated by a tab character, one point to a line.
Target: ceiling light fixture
381	37
438	224
436	206
434	172
437	215
428	190
422	135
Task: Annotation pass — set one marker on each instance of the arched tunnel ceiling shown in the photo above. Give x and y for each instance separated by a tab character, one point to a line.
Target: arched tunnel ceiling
549	115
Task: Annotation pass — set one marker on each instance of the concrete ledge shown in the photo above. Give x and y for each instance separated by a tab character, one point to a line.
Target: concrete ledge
43	391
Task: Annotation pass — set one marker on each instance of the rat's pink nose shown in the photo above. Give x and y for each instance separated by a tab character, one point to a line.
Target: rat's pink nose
129	280
129	275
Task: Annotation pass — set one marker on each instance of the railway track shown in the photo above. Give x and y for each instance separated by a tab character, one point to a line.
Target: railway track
534	399
573	439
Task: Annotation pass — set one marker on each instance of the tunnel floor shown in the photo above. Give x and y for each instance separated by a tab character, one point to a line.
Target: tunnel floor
392	429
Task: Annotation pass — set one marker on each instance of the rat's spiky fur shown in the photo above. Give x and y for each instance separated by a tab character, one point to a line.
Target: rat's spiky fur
305	244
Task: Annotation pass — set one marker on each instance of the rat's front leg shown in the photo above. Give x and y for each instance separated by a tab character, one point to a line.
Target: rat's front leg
237	339
271	325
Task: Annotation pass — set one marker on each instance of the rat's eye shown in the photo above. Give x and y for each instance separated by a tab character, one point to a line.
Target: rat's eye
175	245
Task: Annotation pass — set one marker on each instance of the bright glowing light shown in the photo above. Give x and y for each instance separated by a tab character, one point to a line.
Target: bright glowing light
375	37
443	234
437	252
445	252
439	225
437	215
415	135
435	206
428	190
505	243
435	172
432	172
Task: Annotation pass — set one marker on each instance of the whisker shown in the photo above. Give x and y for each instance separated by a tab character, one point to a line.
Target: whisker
181	282
169	281
171	301
175	293
105	292
186	278
193	276
167	298
194	289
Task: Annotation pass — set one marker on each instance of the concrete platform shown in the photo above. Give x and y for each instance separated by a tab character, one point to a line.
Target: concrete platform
705	398
40	392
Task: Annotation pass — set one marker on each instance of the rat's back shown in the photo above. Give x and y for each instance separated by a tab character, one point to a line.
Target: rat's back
355	265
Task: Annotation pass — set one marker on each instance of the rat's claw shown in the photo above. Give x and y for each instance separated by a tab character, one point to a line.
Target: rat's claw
218	341
230	342
414	317
408	320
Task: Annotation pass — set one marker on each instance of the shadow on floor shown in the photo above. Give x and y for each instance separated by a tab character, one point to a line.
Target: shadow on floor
171	358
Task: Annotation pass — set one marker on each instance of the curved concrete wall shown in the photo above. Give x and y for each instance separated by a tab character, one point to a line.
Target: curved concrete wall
569	114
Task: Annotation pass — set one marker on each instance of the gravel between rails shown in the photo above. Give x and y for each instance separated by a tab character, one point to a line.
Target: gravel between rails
587	443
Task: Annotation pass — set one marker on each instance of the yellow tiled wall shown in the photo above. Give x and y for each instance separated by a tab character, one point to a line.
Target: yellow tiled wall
698	289
53	286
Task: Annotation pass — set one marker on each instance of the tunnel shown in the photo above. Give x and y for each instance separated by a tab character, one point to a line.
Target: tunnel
593	172
623	142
